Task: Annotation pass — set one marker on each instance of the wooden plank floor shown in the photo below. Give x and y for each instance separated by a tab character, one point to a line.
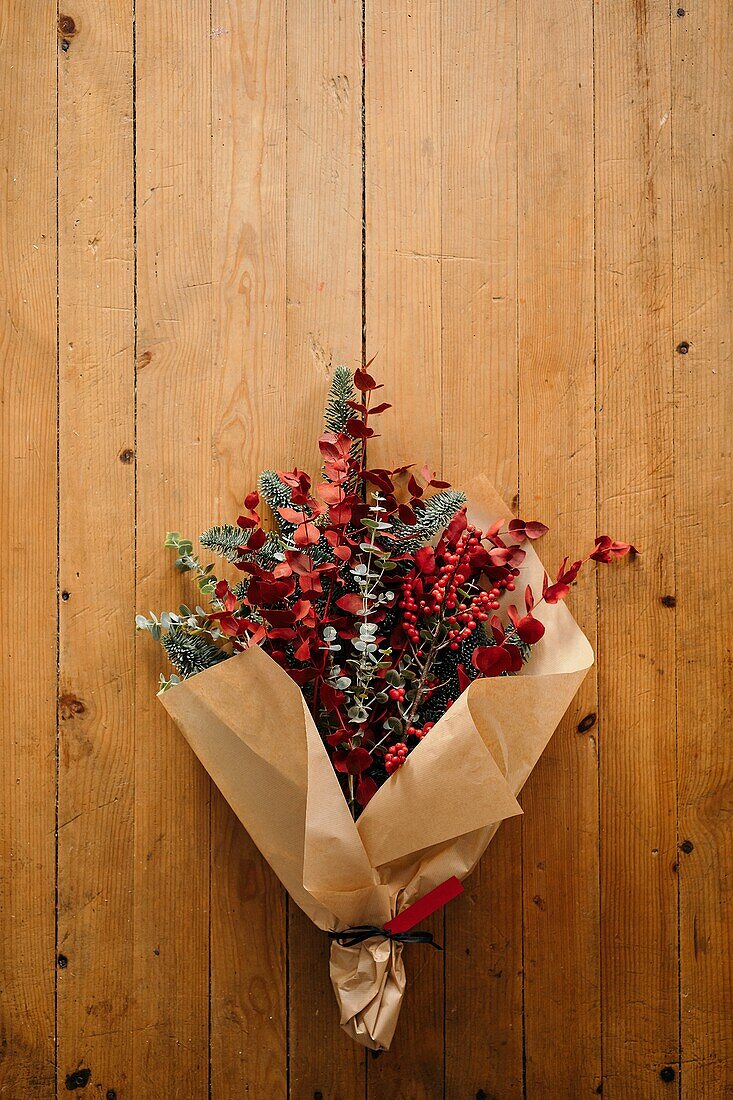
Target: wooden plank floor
524	210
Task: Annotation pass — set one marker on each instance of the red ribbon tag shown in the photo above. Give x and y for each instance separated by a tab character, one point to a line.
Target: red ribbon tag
423	907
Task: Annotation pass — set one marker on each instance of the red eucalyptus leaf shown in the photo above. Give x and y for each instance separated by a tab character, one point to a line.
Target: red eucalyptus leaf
358	429
366	789
300	675
606	549
380	408
331	698
364	382
528	598
256	540
535	530
278	616
456	527
251	501
407	515
257	633
340	514
339	760
414	487
463	678
529	629
283	633
357	761
351	602
262	592
425	559
515	657
306	535
330	494
492	660
556	592
497	629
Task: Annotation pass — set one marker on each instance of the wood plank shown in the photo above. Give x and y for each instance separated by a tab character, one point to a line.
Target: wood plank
635	501
248	933
96	512
403	328
175	491
28	416
480	414
703	287
324	313
557	485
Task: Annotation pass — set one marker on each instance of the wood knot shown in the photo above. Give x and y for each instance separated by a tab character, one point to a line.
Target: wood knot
79	1079
67	28
127	456
667	1074
70	706
669	601
687	846
587	723
62	962
683	347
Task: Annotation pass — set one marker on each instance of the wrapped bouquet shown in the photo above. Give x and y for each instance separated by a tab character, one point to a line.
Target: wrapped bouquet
373	633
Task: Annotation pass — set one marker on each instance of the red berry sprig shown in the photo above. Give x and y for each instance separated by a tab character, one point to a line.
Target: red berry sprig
395	756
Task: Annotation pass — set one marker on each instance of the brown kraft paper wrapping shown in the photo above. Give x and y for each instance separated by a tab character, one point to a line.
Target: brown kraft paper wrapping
248	723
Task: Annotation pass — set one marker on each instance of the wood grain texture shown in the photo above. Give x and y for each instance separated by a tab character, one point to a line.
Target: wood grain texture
324	315
248	163
525	212
175	492
483	970
28	529
702	133
557	474
403	329
638	838
96	512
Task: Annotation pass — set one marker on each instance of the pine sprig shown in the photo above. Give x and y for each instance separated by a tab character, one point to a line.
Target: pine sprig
225	540
191	653
337	411
439	510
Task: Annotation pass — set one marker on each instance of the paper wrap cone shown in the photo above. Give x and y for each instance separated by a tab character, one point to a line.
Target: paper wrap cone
249	725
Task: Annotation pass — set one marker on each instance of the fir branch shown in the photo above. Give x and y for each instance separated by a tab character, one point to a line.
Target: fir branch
337	411
439	510
225	540
191	653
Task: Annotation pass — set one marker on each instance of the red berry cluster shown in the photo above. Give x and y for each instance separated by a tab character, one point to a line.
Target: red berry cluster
397	695
463	612
416	731
395	756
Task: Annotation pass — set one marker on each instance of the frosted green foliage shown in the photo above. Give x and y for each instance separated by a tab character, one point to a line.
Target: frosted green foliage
190	653
439	510
342	390
277	495
225	540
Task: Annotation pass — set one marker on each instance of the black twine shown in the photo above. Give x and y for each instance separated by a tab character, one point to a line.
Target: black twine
352	937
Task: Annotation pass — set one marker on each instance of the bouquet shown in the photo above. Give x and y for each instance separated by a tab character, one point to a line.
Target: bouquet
374	633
